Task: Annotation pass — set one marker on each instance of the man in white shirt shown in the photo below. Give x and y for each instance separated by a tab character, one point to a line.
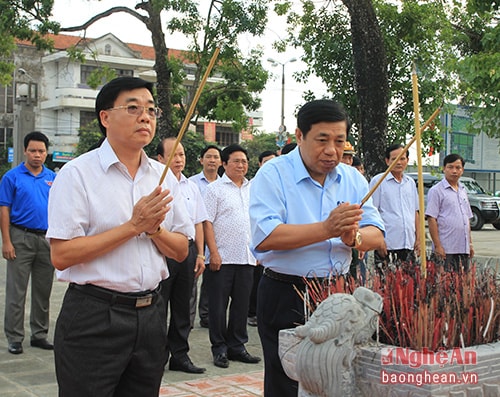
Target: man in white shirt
177	289
396	199
110	228
231	264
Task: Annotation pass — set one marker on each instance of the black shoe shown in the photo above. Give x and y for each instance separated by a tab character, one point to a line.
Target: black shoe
15	348
185	365
221	361
244	357
204	323
42	344
252	321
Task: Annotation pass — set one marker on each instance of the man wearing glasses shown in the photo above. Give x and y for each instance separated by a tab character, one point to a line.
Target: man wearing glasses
110	228
230	262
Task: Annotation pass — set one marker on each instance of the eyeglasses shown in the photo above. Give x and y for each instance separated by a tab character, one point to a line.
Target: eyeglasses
137	110
238	161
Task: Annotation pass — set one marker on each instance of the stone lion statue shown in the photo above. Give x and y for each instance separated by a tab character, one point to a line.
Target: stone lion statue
326	351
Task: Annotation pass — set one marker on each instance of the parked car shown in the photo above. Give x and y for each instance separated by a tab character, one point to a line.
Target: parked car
485	208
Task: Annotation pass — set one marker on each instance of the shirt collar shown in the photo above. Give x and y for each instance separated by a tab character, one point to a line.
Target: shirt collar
447	185
27	171
225	179
205	178
108	157
300	170
403	178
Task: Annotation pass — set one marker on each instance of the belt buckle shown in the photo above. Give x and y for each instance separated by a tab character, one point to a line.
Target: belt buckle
144	301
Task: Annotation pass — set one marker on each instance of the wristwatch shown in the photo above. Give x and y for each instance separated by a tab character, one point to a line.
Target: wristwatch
357	240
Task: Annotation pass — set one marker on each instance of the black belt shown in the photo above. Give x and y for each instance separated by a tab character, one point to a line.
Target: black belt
291	279
27	229
137	300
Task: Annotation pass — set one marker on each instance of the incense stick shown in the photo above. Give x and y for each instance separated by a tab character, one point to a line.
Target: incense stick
392	165
190	113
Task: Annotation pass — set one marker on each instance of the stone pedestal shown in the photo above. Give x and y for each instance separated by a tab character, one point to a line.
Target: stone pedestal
470	372
378	369
319	354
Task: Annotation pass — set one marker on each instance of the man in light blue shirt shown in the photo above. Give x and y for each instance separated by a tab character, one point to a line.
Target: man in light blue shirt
305	218
396	199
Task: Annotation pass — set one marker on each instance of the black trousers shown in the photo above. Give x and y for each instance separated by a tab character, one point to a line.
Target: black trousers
109	350
453	262
176	291
229	335
257	274
203	301
278	307
394	256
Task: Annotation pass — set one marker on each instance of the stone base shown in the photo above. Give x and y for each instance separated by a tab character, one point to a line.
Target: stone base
382	372
479	377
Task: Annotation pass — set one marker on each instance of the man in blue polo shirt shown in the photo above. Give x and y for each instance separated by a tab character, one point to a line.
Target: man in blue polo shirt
24	193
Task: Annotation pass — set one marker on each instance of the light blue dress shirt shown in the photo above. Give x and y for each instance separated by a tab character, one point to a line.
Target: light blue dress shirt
283	192
452	211
201	181
397	203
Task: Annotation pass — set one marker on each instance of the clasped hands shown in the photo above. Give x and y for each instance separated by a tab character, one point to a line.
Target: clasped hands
150	211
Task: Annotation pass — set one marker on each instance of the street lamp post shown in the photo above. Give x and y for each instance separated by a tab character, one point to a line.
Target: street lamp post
25	95
282	128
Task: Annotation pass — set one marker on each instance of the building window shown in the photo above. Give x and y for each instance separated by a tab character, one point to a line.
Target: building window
462	142
124	72
225	136
6	136
6	99
86	118
86	71
190	69
107	49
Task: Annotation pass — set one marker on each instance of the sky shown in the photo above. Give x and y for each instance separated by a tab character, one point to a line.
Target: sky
130	30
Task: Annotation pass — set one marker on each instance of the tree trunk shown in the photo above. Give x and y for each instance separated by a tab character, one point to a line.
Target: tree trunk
372	87
165	126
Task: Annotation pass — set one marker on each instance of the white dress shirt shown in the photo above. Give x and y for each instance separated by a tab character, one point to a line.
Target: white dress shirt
94	193
193	201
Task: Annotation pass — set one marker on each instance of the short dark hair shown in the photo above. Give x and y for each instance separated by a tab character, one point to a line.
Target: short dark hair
321	110
36	136
266	153
207	148
451	158
160	148
395	146
288	147
228	150
109	92
356	161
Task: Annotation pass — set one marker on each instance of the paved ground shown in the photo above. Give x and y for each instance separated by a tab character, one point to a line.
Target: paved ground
32	373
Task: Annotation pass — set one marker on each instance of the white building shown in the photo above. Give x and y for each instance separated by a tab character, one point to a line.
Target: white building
65	102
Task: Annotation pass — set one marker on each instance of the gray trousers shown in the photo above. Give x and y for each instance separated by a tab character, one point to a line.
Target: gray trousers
32	258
